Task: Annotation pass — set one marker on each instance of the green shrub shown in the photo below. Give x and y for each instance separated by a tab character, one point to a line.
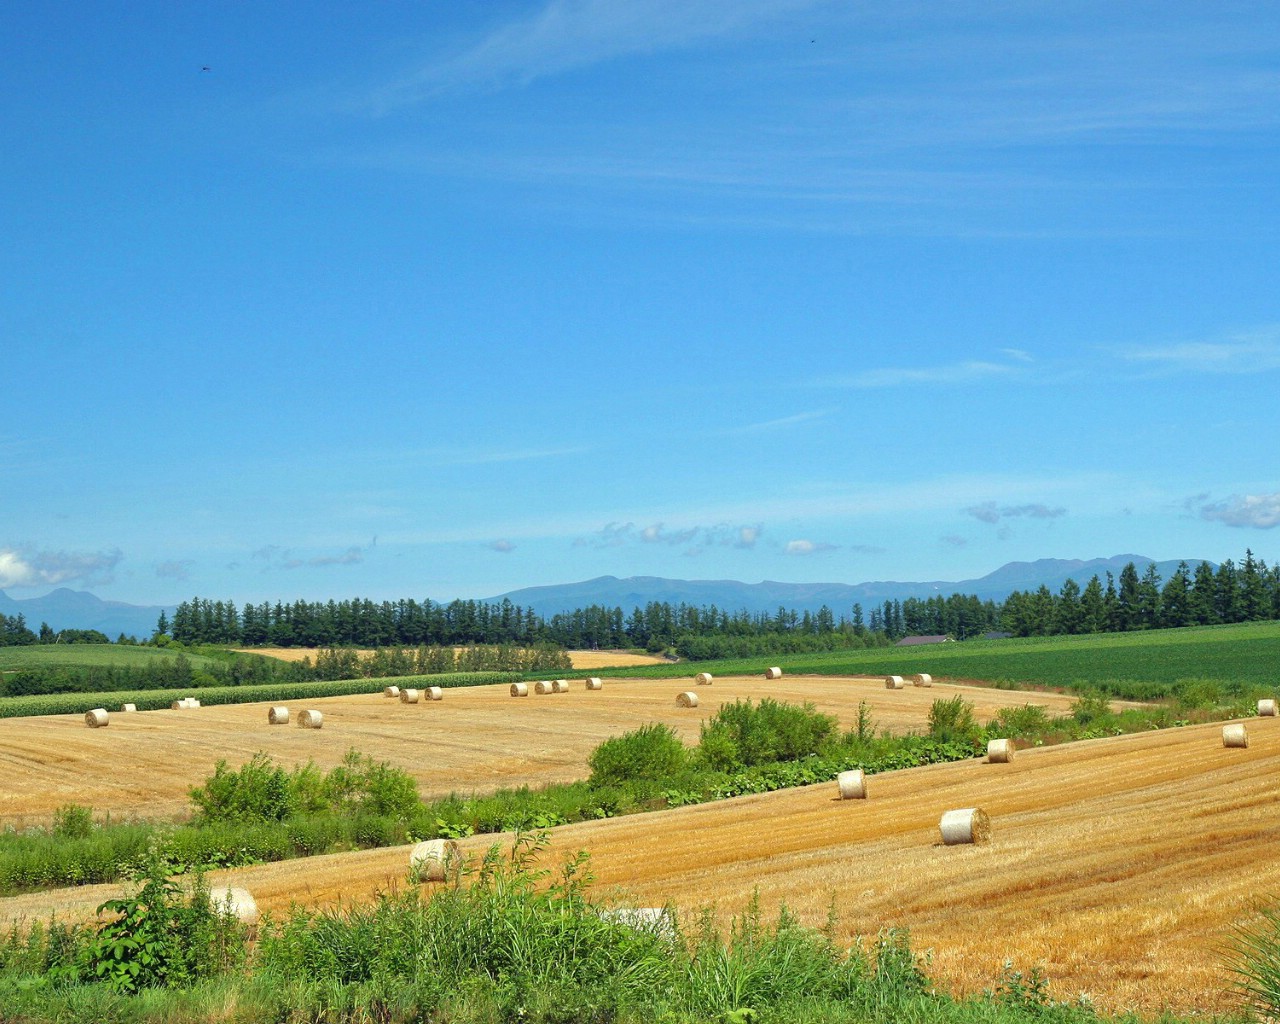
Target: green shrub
951	720
1028	721
651	753
1254	958
256	791
741	734
73	821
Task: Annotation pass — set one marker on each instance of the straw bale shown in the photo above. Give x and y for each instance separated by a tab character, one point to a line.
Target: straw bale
893	682
433	693
922	679
311	720
192	702
430	861
128	707
1267	708
852	785
391	691
1000	751
519	689
278	715
773	673
688	699
595	683
562	686
544	686
970	825
179	705
96	718
409	696
233	900
1235	735
702	679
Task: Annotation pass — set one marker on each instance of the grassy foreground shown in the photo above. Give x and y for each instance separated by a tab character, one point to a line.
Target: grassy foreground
501	940
95	656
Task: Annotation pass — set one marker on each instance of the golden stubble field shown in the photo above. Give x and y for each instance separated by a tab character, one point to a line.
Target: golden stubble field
475	739
1118	865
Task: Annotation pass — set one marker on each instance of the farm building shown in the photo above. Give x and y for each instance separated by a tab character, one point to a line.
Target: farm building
920	641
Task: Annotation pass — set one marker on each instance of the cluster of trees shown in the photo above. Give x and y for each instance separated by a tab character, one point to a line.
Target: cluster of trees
1247	592
14	632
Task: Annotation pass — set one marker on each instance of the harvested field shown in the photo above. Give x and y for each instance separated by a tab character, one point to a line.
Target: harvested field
479	738
1117	865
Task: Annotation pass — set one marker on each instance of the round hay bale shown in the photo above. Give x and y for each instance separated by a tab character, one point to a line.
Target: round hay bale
702	679
852	785
1000	751
178	705
922	679
970	825
192	702
96	718
893	682
310	720
391	691
1267	708
278	716
562	686
519	689
1235	735
128	707
409	696
773	673
595	683
234	901
433	693
544	686
688	699
430	861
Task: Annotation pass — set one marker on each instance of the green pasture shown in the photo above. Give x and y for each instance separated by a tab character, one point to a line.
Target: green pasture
1207	663
93	655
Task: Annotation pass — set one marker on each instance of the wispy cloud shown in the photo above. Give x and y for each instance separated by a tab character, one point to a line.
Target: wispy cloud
781	423
694	539
273	557
564	35
178	569
1255	351
990	512
502	546
969	372
1259	511
28	567
953	540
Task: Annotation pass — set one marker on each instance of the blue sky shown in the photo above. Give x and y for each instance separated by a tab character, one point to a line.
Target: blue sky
445	299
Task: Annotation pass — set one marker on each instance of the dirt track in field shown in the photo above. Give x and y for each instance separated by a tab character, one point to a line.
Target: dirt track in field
1118	865
475	739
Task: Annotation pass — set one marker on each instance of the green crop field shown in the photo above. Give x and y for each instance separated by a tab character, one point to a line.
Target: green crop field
1213	661
92	655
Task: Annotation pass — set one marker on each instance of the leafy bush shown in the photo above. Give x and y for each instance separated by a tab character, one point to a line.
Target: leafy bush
741	734
952	720
651	753
1030	720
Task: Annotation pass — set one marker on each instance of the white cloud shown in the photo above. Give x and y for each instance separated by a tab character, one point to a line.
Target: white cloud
1260	511
276	557
767	426
178	569
27	567
807	547
502	546
695	539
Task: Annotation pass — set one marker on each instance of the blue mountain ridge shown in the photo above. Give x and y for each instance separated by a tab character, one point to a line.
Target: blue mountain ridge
77	609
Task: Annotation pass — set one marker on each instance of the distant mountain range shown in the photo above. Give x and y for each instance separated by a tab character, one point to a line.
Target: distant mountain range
78	609
730	595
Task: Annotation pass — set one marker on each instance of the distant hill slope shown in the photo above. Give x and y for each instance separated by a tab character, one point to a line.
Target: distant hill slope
78	609
731	595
